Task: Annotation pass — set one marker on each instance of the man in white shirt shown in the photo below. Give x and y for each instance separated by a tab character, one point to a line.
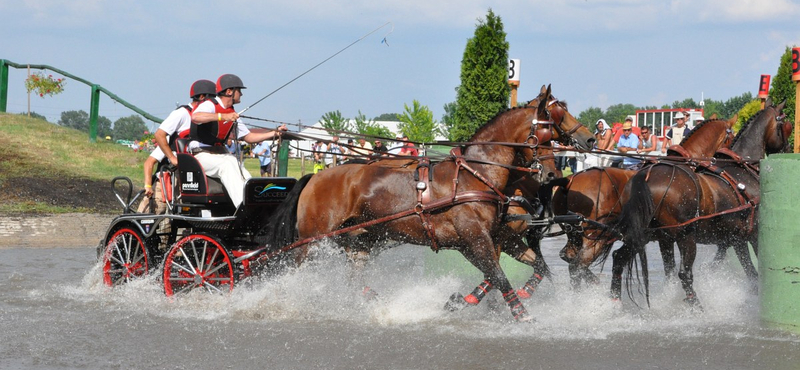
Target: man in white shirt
176	125
212	122
675	134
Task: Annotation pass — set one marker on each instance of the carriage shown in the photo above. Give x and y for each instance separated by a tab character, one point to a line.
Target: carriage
460	203
200	241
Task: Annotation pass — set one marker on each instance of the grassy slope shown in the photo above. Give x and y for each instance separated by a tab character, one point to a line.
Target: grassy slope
33	148
36	147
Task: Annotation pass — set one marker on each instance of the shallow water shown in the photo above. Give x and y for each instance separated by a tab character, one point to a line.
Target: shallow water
56	314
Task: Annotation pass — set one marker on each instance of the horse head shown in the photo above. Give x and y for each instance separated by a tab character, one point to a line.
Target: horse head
565	129
764	133
776	137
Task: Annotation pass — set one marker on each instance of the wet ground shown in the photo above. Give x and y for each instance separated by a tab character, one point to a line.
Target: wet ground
57	315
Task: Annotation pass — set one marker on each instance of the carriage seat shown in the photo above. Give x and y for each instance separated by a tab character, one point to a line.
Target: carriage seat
194	186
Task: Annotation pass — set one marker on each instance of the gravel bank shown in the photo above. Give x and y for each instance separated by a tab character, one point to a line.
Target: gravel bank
70	230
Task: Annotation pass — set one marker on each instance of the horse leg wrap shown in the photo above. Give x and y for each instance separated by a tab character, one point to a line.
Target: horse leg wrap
478	293
369	293
517	309
530	287
616	286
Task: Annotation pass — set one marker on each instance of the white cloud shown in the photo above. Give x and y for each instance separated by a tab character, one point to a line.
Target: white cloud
737	10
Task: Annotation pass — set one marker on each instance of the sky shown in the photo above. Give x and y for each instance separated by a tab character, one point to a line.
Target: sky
594	53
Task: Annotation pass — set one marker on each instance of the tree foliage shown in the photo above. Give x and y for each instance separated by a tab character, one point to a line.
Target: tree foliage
417	123
388	117
130	128
747	111
34	115
370	128
79	120
590	116
448	119
484	90
618	112
335	123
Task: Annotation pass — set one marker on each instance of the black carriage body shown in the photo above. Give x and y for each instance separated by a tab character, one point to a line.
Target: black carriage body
199	214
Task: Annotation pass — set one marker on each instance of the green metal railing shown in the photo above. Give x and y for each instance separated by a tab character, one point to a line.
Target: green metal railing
95	94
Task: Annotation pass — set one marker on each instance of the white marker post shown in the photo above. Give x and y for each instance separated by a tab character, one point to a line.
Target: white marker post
513	79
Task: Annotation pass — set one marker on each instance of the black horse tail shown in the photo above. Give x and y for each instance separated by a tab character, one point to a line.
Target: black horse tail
281	228
555	202
637	213
632	224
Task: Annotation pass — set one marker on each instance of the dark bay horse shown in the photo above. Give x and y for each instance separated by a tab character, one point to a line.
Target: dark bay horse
715	205
595	194
517	238
457	204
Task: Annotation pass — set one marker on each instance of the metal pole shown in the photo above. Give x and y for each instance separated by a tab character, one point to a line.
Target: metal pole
94	111
3	85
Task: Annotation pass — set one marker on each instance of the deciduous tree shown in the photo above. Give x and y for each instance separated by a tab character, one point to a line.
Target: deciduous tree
417	123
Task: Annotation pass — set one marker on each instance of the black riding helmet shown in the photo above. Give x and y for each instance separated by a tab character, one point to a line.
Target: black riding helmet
201	87
229	81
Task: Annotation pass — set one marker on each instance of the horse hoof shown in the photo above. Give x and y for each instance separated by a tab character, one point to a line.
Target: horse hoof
455	303
694	303
526	319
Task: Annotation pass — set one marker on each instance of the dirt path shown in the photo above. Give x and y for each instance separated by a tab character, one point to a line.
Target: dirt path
70	230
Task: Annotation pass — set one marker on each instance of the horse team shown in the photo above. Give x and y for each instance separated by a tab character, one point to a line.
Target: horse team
493	194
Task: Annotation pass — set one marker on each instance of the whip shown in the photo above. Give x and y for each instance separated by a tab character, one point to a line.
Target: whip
322	62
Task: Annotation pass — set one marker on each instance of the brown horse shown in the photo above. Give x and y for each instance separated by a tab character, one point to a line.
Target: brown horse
516	238
457	205
595	194
716	205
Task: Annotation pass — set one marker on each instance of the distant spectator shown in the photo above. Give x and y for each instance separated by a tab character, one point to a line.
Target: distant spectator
628	144
379	149
647	144
362	149
264	154
408	148
675	134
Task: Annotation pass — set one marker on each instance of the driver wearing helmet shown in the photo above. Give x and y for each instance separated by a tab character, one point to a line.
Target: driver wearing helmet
176	125
212	122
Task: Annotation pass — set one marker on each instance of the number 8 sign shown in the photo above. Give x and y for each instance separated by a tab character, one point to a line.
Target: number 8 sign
795	64
513	70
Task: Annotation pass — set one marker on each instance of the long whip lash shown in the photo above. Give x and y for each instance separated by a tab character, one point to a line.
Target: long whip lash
320	63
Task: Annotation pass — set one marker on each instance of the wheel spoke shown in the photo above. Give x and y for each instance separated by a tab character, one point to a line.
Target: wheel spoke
197	262
178	278
211	286
215	269
128	246
181	267
186	258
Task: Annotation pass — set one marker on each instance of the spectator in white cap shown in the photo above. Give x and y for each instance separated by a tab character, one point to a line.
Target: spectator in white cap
676	133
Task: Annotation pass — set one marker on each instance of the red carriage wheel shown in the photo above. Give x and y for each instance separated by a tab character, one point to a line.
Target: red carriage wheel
197	262
125	257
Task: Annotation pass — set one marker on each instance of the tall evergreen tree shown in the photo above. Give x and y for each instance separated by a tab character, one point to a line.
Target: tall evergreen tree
484	90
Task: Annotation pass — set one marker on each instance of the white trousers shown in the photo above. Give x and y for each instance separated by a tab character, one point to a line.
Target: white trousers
227	169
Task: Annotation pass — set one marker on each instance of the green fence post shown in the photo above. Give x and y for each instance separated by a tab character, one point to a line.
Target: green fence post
283	158
94	111
3	85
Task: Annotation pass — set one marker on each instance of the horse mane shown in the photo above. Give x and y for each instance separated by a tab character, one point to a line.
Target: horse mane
745	126
692	131
491	121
